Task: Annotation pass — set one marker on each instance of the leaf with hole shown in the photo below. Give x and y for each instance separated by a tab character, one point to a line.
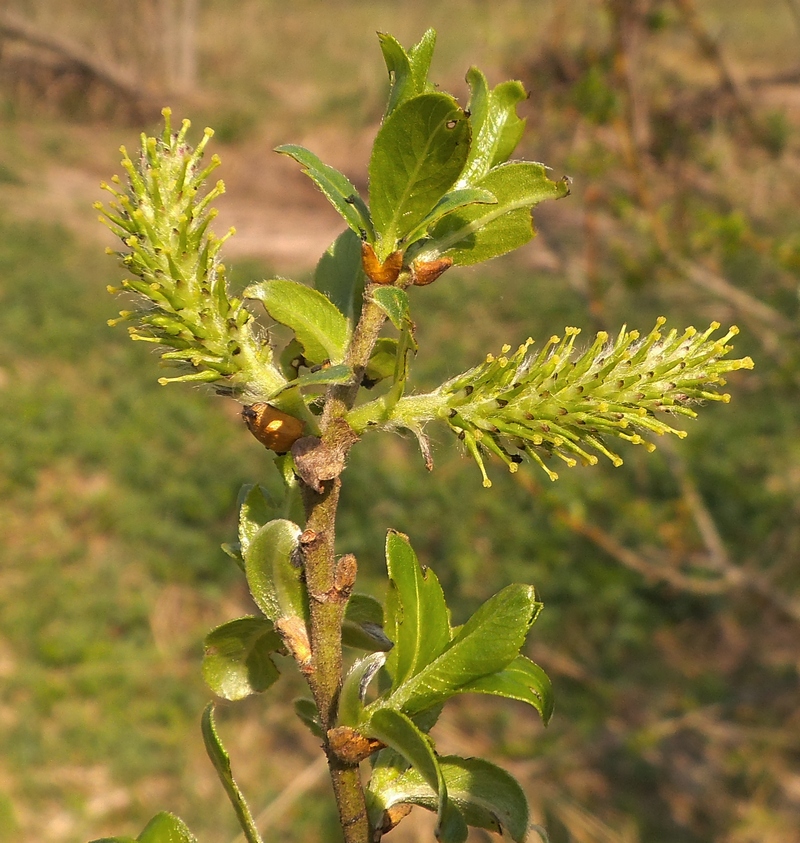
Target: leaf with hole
418	154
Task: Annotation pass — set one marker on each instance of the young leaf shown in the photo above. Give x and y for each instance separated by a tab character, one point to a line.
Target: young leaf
521	680
319	326
450	202
418	154
222	764
480	232
394	303
166	828
275	581
237	660
338	189
354	688
488	642
417	620
329	374
256	508
408	71
397	731
363	624
382	360
487	796
340	277
496	128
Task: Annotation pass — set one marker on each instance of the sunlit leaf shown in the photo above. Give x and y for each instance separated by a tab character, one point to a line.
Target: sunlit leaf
521	680
354	688
319	326
335	185
488	642
496	128
394	303
398	732
487	796
480	232
416	616
166	828
418	154
449	203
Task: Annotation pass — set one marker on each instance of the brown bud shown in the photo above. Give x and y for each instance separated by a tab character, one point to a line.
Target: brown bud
426	272
351	746
274	429
377	272
345	576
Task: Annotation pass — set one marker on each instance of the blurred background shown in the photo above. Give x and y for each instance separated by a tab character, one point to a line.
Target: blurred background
671	585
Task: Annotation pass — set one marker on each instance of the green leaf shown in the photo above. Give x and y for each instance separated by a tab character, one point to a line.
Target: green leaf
397	731
237	660
521	680
306	710
166	828
256	508
420	56
417	620
488	642
338	189
408	71
363	624
275	580
382	360
222	764
329	374
496	128
319	326
418	154
340	277
449	203
394	303
354	688
487	796
480	232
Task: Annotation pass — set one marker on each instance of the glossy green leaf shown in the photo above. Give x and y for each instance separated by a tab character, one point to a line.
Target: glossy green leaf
488	642
166	828
418	154
398	732
237	659
306	710
222	764
363	624
319	326
480	232
340	277
354	688
416	617
382	361
338	189
521	680
449	203
496	128
256	508
394	303
487	796
273	574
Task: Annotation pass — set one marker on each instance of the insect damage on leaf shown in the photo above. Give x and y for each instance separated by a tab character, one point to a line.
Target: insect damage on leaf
274	429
